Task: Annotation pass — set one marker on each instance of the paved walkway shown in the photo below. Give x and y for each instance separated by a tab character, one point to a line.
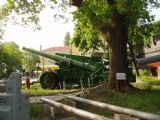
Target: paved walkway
36	99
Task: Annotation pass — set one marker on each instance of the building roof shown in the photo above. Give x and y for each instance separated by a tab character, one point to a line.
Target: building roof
155	64
62	48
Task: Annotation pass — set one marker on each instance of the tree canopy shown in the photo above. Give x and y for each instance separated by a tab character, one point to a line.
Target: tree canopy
26	10
5	11
10	58
138	19
29	61
67	39
86	37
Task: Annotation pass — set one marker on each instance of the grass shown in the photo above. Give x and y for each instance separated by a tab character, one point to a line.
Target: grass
37	112
150	82
36	89
143	100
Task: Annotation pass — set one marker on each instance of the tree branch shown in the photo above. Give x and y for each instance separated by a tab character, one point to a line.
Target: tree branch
76	3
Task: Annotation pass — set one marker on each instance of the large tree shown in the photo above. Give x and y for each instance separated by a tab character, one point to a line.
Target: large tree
113	19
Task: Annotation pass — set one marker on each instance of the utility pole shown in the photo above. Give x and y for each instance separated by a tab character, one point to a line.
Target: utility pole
42	57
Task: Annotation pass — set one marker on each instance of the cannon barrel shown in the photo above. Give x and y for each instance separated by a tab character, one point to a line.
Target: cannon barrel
60	58
147	60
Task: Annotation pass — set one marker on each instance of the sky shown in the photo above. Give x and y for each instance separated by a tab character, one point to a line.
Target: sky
156	12
51	35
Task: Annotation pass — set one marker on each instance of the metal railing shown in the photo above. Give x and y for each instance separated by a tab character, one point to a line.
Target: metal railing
78	112
117	109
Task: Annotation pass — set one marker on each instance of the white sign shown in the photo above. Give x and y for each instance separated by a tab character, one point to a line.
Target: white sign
121	76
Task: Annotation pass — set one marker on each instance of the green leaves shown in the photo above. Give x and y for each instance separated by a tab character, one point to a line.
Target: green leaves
139	36
29	11
67	39
29	61
10	58
156	27
86	37
92	16
134	13
98	9
10	4
122	6
5	11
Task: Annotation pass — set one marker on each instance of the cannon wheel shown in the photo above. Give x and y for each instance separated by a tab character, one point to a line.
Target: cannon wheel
49	80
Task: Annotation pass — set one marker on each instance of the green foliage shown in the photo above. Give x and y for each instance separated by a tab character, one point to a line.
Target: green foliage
143	72
67	39
139	36
3	56
10	58
29	61
97	10
29	10
98	13
149	80
156	27
5	11
86	37
26	10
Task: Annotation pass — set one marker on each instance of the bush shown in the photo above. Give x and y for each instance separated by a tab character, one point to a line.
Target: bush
143	72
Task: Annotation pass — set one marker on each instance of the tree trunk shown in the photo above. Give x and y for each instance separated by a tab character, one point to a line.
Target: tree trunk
118	57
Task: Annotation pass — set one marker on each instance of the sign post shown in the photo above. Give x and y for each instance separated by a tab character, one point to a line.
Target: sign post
121	81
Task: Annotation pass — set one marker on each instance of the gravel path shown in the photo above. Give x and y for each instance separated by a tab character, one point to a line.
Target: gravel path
36	99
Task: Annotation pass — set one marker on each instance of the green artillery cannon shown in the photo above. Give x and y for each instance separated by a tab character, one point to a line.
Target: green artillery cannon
75	69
